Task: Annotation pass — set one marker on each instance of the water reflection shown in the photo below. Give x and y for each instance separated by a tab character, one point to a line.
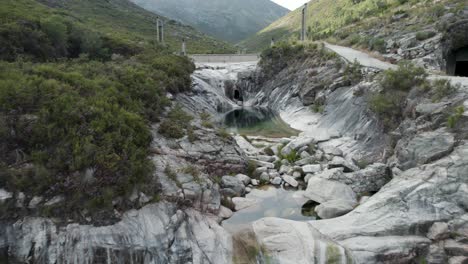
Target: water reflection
257	122
272	202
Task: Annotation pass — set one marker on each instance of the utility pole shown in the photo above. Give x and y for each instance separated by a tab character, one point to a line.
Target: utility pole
304	24
184	48
160	29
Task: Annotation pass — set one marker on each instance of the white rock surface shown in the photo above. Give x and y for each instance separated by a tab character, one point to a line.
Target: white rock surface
242	203
292	242
321	191
438	231
244	178
225	212
276	181
334	208
290	180
4	195
312	168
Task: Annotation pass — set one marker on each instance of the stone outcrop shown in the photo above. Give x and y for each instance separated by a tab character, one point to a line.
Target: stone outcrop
158	233
403	211
424	148
292	242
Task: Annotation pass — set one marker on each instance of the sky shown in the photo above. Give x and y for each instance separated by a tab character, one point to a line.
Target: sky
291	4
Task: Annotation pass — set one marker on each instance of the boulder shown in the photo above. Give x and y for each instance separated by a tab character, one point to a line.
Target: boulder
340	162
225	212
254	182
244	178
296	144
284	169
265	177
330	150
276	181
321	191
233	183
312	168
297	175
290	180
370	179
438	231
242	203
334	208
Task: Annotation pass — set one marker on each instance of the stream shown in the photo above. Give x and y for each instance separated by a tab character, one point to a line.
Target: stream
271	201
257	122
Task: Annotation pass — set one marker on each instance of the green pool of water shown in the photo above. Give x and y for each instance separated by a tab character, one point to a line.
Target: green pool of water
258	122
272	202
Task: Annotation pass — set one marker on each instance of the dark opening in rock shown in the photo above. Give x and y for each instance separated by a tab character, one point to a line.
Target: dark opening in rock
308	209
237	95
461	68
457	62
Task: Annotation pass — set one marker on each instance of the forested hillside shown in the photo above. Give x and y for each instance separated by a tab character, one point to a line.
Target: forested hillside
80	84
355	22
231	20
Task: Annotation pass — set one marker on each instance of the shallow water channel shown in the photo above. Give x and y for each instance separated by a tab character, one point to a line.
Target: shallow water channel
257	122
272	202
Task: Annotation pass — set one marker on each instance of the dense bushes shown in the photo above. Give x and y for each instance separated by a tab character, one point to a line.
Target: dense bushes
56	37
396	84
405	77
278	57
177	123
83	125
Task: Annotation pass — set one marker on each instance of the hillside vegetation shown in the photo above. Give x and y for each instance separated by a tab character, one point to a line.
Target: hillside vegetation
346	21
80	84
51	28
231	20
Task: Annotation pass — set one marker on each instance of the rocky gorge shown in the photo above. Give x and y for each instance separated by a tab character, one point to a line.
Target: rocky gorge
382	196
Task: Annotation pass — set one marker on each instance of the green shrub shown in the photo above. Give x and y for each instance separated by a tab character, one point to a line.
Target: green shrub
292	157
406	77
353	72
223	133
81	117
377	44
318	108
192	137
388	107
455	117
423	35
269	151
442	88
251	167
176	123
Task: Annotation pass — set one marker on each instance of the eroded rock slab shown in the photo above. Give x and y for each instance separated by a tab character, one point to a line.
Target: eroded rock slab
424	148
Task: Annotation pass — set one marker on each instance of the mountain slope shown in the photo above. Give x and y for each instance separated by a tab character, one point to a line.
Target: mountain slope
342	18
231	20
119	20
